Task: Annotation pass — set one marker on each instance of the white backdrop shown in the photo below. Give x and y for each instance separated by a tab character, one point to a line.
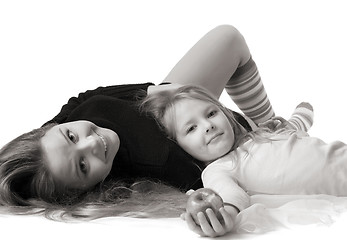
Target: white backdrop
52	50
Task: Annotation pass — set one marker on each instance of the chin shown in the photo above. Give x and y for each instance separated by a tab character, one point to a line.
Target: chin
225	149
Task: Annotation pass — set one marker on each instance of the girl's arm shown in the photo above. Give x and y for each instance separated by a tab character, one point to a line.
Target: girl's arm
221	60
218	178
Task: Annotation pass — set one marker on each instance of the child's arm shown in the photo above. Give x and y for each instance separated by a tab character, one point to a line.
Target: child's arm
301	119
217	223
218	177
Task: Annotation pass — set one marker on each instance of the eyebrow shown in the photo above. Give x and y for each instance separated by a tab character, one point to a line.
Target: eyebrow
75	163
65	137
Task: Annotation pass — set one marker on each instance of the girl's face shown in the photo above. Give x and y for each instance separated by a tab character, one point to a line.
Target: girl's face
202	129
79	154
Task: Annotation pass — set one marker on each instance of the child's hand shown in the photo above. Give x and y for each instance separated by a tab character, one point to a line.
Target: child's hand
208	224
277	123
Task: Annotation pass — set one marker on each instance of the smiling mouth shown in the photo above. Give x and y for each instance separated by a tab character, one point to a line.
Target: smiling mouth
103	141
214	137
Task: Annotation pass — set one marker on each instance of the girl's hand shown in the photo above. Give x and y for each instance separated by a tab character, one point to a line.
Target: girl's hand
165	87
277	123
208	224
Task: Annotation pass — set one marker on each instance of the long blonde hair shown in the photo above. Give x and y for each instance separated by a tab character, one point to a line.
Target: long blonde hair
27	187
161	103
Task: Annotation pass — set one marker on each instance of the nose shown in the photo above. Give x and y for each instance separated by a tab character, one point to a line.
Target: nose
209	127
90	144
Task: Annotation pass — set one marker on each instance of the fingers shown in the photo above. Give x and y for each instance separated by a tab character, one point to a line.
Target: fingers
208	224
228	220
278	118
271	123
205	225
190	191
192	225
267	123
217	228
274	123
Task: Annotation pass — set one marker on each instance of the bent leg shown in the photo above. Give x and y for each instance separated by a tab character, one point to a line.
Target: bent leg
212	62
302	117
247	91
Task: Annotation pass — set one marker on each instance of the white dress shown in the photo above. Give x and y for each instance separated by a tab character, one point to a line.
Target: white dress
290	166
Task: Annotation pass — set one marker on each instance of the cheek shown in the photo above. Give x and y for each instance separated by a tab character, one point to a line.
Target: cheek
188	144
99	172
196	149
103	172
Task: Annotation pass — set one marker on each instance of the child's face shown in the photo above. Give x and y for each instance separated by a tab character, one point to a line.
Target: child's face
79	154
202	129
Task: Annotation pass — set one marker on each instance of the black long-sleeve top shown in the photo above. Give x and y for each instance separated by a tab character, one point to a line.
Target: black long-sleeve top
144	150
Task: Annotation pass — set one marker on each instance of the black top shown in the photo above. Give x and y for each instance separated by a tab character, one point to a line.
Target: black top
144	150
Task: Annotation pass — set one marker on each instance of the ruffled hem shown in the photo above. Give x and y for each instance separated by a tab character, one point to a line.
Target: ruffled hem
273	212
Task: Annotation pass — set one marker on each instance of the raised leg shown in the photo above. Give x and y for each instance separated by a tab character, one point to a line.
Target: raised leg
221	59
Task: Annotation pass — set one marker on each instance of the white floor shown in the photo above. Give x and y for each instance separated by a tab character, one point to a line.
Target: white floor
125	228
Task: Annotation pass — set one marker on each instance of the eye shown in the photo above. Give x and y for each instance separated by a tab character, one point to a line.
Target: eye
71	136
83	165
212	113
191	128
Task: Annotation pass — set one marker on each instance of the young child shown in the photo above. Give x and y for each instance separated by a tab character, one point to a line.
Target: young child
283	161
